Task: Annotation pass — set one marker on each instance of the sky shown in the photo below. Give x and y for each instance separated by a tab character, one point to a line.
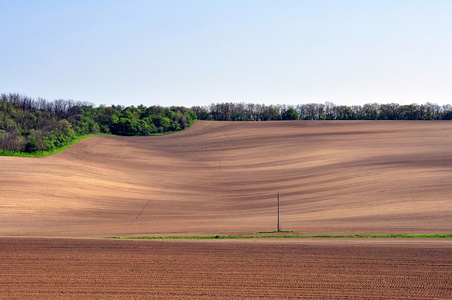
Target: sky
195	52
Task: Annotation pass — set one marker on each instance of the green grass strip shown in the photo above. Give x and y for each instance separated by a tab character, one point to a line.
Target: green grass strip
442	236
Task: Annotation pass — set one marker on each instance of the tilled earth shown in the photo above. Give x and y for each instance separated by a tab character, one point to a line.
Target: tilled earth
43	268
222	178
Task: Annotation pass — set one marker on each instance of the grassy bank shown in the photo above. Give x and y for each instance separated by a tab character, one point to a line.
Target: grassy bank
72	142
54	151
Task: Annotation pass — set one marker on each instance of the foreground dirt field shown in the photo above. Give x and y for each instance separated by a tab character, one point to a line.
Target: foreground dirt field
225	269
222	178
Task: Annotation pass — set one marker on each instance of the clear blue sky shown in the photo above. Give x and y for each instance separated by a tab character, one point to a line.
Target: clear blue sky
193	52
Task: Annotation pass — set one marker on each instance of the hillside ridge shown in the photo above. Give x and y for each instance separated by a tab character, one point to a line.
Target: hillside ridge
335	178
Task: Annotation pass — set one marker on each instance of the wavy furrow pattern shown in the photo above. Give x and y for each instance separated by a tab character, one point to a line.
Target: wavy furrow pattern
352	177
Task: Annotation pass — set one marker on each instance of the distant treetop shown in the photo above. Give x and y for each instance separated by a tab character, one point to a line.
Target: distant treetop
326	111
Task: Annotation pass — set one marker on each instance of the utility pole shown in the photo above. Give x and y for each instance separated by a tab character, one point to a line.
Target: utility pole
278	212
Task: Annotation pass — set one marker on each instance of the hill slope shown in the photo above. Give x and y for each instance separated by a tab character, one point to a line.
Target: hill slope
353	177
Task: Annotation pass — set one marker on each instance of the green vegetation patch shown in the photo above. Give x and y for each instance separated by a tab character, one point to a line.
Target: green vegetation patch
281	236
36	127
54	151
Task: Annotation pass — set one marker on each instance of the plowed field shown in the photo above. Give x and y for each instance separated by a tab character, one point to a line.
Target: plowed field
303	269
222	178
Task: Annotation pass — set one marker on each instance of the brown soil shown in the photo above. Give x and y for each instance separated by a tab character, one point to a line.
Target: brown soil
303	269
222	178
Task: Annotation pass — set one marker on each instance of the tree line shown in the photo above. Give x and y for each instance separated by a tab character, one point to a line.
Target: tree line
36	125
325	111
